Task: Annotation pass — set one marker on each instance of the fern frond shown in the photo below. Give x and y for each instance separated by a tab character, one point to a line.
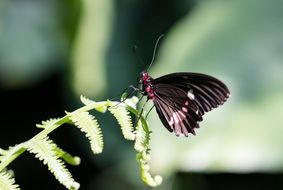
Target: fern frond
47	123
86	101
120	112
88	124
7	182
54	157
44	151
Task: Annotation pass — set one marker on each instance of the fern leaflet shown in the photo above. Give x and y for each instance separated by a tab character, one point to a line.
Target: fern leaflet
140	142
47	123
99	107
44	151
7	182
86	101
88	124
122	115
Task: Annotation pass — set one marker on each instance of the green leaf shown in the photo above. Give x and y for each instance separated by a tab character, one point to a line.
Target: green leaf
44	151
141	138
142	132
88	124
7	182
120	112
87	101
47	123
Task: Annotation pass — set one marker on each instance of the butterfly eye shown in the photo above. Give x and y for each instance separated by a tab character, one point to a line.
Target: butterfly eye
139	79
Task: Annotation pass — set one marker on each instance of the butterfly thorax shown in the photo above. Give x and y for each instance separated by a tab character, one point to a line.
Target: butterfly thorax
147	86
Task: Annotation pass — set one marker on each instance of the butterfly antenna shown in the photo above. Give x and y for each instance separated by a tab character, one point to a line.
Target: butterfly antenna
154	51
138	55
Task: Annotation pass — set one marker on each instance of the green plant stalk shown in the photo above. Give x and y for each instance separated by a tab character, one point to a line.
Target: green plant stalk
4	164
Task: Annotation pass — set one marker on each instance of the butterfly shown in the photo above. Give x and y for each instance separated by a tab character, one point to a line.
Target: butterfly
181	99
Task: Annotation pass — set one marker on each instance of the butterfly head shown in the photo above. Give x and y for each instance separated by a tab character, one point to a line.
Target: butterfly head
144	78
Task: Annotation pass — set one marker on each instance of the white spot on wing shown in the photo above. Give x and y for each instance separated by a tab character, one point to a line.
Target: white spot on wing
191	95
171	122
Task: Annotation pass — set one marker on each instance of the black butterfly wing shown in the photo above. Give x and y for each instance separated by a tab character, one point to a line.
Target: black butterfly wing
176	110
205	91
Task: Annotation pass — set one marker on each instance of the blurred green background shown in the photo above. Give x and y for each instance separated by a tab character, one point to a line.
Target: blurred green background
51	51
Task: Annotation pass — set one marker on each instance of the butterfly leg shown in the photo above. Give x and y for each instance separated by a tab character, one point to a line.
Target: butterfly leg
149	112
141	112
132	89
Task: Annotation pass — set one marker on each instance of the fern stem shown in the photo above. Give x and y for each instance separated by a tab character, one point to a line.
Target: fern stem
48	130
136	113
11	158
66	118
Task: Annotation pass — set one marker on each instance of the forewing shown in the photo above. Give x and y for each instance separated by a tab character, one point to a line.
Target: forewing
205	91
176	110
